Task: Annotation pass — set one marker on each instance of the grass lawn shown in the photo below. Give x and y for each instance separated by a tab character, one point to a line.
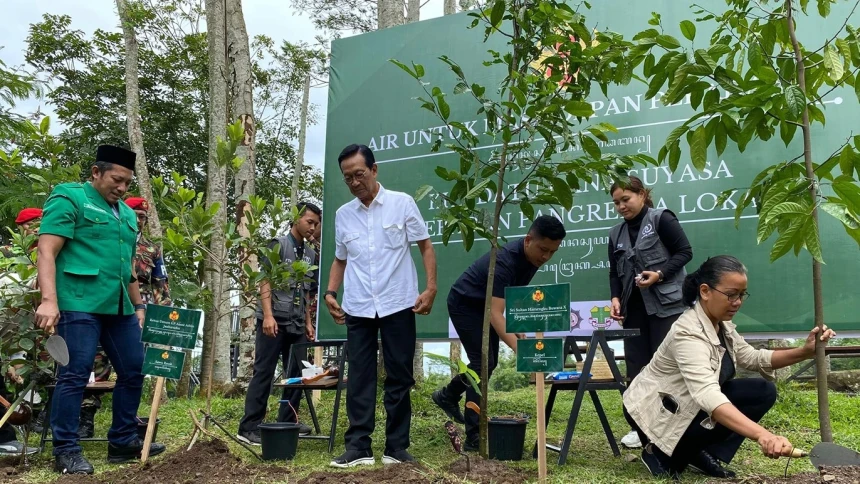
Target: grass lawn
591	459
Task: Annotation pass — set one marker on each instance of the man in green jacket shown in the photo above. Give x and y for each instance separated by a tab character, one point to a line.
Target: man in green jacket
89	295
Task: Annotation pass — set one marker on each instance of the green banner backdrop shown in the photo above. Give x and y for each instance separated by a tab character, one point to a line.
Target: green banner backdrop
371	102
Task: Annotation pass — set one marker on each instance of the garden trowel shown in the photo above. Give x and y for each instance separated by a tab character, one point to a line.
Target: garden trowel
57	348
828	454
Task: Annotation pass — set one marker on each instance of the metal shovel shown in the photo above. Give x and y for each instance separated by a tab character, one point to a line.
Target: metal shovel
828	454
57	348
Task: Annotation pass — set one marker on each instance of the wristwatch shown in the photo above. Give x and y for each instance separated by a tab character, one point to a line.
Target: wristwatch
331	293
138	307
660	273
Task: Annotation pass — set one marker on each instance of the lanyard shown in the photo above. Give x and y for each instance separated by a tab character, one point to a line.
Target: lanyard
298	252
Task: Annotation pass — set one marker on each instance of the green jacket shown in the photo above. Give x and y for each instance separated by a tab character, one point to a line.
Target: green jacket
94	266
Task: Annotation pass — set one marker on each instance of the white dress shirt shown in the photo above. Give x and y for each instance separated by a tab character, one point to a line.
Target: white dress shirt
380	277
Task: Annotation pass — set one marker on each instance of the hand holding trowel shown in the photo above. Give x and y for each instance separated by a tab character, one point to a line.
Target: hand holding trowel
47	316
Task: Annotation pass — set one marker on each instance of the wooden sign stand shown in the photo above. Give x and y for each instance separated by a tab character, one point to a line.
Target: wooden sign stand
153	418
541	424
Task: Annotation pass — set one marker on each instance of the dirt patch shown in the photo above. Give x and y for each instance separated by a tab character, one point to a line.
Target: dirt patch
483	472
401	473
834	475
207	462
486	471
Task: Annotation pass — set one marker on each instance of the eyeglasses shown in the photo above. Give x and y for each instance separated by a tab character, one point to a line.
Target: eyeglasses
359	176
742	296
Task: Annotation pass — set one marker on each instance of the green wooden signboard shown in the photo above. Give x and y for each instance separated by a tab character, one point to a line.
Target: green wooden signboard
540	355
371	101
170	326
537	309
161	362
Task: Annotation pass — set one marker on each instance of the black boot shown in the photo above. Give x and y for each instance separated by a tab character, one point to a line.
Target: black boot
86	428
118	455
449	405
72	464
38	423
710	466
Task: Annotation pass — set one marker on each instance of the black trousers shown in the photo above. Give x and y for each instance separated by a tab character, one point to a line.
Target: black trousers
7	433
467	316
268	351
752	396
639	350
398	349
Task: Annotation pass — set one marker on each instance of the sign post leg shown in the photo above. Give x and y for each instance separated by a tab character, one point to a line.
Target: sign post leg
541	424
153	417
318	361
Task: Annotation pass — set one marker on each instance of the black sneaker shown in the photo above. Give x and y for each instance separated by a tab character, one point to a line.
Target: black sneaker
72	464
304	429
653	464
450	407
707	464
118	455
250	438
352	458
396	457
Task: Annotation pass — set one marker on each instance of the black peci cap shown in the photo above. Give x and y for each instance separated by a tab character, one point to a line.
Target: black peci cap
116	155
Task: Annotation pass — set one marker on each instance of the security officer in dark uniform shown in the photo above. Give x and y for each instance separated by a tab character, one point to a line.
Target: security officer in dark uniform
89	295
517	262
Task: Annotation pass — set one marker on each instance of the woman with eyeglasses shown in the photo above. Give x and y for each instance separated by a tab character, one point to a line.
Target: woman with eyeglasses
647	255
686	405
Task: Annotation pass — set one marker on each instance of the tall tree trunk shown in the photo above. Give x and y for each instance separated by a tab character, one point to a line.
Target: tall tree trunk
413	10
450	7
184	383
389	13
242	107
216	329
821	367
455	354
132	110
418	364
303	130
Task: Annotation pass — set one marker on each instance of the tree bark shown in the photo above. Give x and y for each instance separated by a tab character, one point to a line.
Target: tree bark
242	107
450	7
418	364
389	13
413	10
821	367
455	354
132	109
303	129
184	383
216	329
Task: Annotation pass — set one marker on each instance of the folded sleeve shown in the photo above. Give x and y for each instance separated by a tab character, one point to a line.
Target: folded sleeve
416	229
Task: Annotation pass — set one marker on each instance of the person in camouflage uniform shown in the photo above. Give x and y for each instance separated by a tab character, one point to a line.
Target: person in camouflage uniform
149	260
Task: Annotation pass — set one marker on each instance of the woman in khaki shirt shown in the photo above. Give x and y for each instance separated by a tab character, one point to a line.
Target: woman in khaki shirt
686	405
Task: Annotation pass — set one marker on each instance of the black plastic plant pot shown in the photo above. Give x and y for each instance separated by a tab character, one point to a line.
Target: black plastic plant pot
507	436
280	440
141	428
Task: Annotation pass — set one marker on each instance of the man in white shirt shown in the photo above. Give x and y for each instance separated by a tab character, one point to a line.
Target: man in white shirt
373	234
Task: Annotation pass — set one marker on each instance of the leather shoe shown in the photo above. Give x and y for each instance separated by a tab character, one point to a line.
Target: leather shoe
710	466
119	454
72	464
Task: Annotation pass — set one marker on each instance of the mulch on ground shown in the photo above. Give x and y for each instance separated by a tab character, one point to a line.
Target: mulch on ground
206	462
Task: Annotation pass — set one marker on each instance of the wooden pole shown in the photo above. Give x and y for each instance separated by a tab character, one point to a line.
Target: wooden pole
153	418
541	427
318	360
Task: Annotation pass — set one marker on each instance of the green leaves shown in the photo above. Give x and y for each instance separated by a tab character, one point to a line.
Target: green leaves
578	108
562	192
688	29
497	13
699	148
422	192
794	100
832	61
668	42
